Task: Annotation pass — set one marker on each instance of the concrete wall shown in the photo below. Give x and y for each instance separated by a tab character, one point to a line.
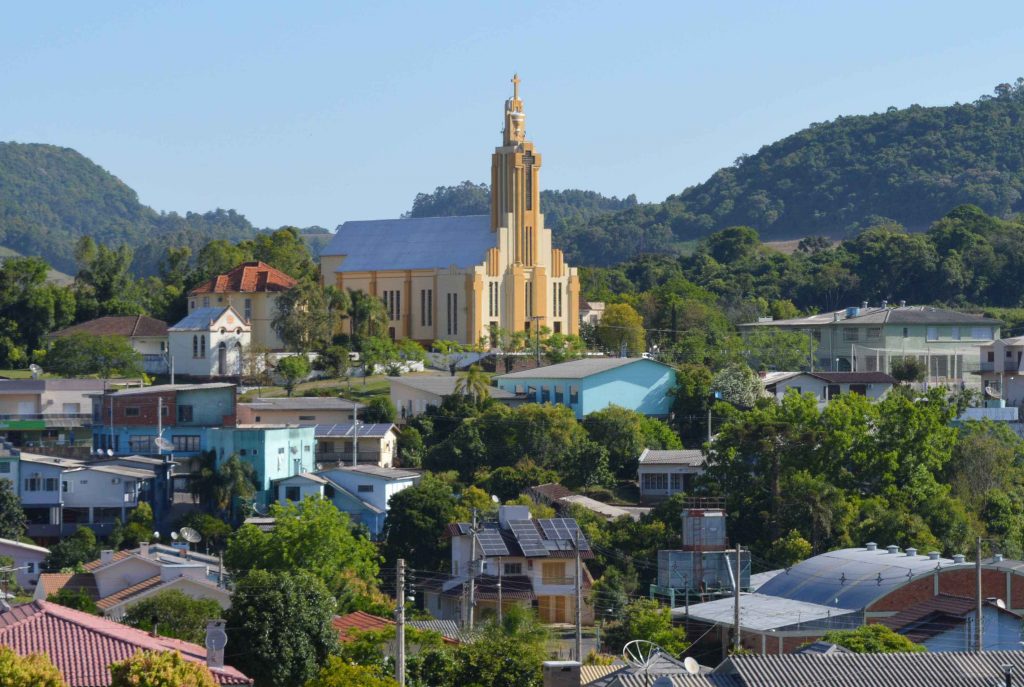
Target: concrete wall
254	414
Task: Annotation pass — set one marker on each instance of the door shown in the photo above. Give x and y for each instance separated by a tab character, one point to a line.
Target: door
552	609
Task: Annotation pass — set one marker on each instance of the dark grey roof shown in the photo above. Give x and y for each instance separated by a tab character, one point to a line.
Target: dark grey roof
415	243
577	369
161	388
301	403
661	664
344	429
36	386
652	456
910	314
201	319
375	471
850	578
871	670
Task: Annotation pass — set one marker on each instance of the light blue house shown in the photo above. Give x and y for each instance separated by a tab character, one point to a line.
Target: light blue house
362	491
275	451
592	384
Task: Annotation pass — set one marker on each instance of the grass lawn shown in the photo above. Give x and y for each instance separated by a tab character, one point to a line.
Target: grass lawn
359	389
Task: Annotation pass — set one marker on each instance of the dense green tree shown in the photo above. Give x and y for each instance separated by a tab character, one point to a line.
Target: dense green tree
78	599
284	249
339	673
872	639
415	524
473	384
235	483
215	531
279	627
218	257
908	369
647	619
12	516
175	614
379	409
159	669
80	547
335	361
621	328
292	370
313	536
366	315
34	670
304	317
80	355
775	349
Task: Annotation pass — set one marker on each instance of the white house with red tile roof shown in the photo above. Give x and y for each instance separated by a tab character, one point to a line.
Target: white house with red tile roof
83	646
252	289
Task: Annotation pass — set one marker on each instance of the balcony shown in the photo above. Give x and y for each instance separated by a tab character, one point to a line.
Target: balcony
23	421
331	458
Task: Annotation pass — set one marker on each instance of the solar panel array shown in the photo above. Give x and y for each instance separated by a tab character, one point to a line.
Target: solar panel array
528	538
564	530
491	543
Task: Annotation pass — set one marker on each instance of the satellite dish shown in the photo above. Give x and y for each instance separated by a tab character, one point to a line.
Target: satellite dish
36	370
639	653
691	665
174	535
259	509
110	452
495	499
190	535
1001	604
99	452
163	444
156	535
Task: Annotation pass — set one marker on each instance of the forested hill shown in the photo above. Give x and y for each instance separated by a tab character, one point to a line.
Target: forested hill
51	196
907	166
562	209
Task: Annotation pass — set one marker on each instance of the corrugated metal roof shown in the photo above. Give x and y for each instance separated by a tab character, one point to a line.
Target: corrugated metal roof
910	314
300	403
166	388
414	243
374	471
201	319
577	369
850	578
692	457
870	670
344	429
762	613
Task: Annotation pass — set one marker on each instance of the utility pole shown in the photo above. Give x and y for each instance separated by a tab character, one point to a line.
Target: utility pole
472	576
579	600
977	592
499	589
736	606
400	621
536	333
355	434
159	421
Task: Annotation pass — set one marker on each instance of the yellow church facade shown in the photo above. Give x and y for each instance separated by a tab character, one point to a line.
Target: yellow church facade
462	278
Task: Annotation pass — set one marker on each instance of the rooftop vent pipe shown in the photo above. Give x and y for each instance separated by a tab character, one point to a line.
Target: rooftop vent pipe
911	553
871	546
958	558
933	555
997	558
892	548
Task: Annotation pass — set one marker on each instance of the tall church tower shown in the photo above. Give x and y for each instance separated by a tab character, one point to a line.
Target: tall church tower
514	187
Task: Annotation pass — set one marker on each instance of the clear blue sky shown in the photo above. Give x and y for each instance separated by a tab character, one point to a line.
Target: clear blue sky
320	112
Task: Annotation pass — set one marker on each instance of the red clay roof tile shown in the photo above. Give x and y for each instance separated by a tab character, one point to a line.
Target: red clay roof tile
117	325
249	277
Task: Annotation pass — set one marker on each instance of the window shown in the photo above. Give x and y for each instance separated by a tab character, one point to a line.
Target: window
195	346
449	330
66	486
164	410
851	333
186	443
933	333
247	309
676	480
5	468
31	568
906	332
131	411
655	481
861	389
364	488
206	301
574	395
427	307
192	305
559	393
558	327
553	573
202	345
163	346
423	307
1009	354
33	483
874	332
455	314
991	356
142	444
51	484
291	494
528	286
513	568
531	391
955	335
545	393
983	333
184	413
307	418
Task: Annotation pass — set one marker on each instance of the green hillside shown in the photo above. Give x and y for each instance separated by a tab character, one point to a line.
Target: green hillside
51	196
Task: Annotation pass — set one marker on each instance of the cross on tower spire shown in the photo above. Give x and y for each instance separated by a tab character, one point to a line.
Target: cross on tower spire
515	86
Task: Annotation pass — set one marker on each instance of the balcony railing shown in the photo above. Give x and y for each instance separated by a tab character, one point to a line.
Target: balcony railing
345	457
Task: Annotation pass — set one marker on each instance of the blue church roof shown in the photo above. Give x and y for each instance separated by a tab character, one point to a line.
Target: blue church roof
415	243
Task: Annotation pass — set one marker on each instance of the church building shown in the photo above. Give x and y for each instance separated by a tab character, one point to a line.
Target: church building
462	278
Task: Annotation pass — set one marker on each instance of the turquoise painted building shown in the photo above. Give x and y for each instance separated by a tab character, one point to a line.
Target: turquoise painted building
593	384
275	451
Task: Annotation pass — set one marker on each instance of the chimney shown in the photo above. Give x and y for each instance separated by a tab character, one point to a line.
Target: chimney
903	304
933	555
958	558
892	548
864	305
911	553
216	640
885	304
144	549
997	558
871	546
106	556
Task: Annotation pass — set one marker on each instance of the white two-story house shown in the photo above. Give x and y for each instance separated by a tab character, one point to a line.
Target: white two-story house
517	560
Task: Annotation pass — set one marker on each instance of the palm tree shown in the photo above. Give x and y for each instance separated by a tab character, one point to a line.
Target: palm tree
473	384
236	481
369	318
